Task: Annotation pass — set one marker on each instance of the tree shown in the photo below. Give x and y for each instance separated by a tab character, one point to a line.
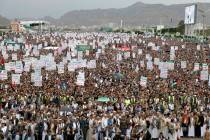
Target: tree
181	27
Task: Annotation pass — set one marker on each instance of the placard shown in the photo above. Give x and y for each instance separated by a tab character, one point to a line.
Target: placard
91	64
60	68
16	79
3	75
14	56
19	67
204	75
150	65
164	73
183	64
196	66
156	61
81	79
205	67
143	81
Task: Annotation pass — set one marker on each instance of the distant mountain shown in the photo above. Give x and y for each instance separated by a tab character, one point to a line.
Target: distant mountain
4	21
134	15
52	20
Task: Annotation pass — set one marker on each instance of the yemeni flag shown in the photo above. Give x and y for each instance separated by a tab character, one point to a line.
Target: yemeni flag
124	48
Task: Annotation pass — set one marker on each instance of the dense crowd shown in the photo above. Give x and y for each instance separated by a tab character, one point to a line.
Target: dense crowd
103	86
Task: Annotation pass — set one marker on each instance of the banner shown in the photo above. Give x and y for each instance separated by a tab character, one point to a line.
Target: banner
60	68
81	79
83	47
119	57
3	75
140	51
196	66
156	61
14	56
164	73
205	67
143	81
149	65
16	79
19	67
204	75
126	55
142	63
79	55
183	64
91	64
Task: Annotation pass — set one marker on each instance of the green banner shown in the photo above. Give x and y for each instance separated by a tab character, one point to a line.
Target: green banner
83	47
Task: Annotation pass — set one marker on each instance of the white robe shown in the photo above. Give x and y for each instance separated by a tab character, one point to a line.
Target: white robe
180	132
191	132
203	130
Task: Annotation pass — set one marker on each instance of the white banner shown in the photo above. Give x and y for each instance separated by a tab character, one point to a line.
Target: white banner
19	67
91	64
3	75
204	75
16	79
156	61
14	56
81	79
119	57
183	64
150	65
60	68
164	73
143	81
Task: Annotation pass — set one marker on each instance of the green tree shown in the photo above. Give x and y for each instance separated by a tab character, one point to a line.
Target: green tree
181	27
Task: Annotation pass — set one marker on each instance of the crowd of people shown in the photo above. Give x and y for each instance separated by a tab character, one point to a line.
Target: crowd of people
103	86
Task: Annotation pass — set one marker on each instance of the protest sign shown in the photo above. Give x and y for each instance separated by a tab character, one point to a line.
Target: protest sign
3	75
205	67
140	51
196	66
60	68
164	73
14	56
80	79
204	75
150	65
16	79
91	64
143	81
183	64
119	57
156	61
19	67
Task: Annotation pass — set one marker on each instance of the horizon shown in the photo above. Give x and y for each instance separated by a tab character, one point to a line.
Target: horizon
31	12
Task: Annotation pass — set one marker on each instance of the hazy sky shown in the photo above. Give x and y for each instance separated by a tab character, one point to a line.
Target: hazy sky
55	8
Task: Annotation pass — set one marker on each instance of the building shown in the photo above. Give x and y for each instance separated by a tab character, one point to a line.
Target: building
15	26
29	26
